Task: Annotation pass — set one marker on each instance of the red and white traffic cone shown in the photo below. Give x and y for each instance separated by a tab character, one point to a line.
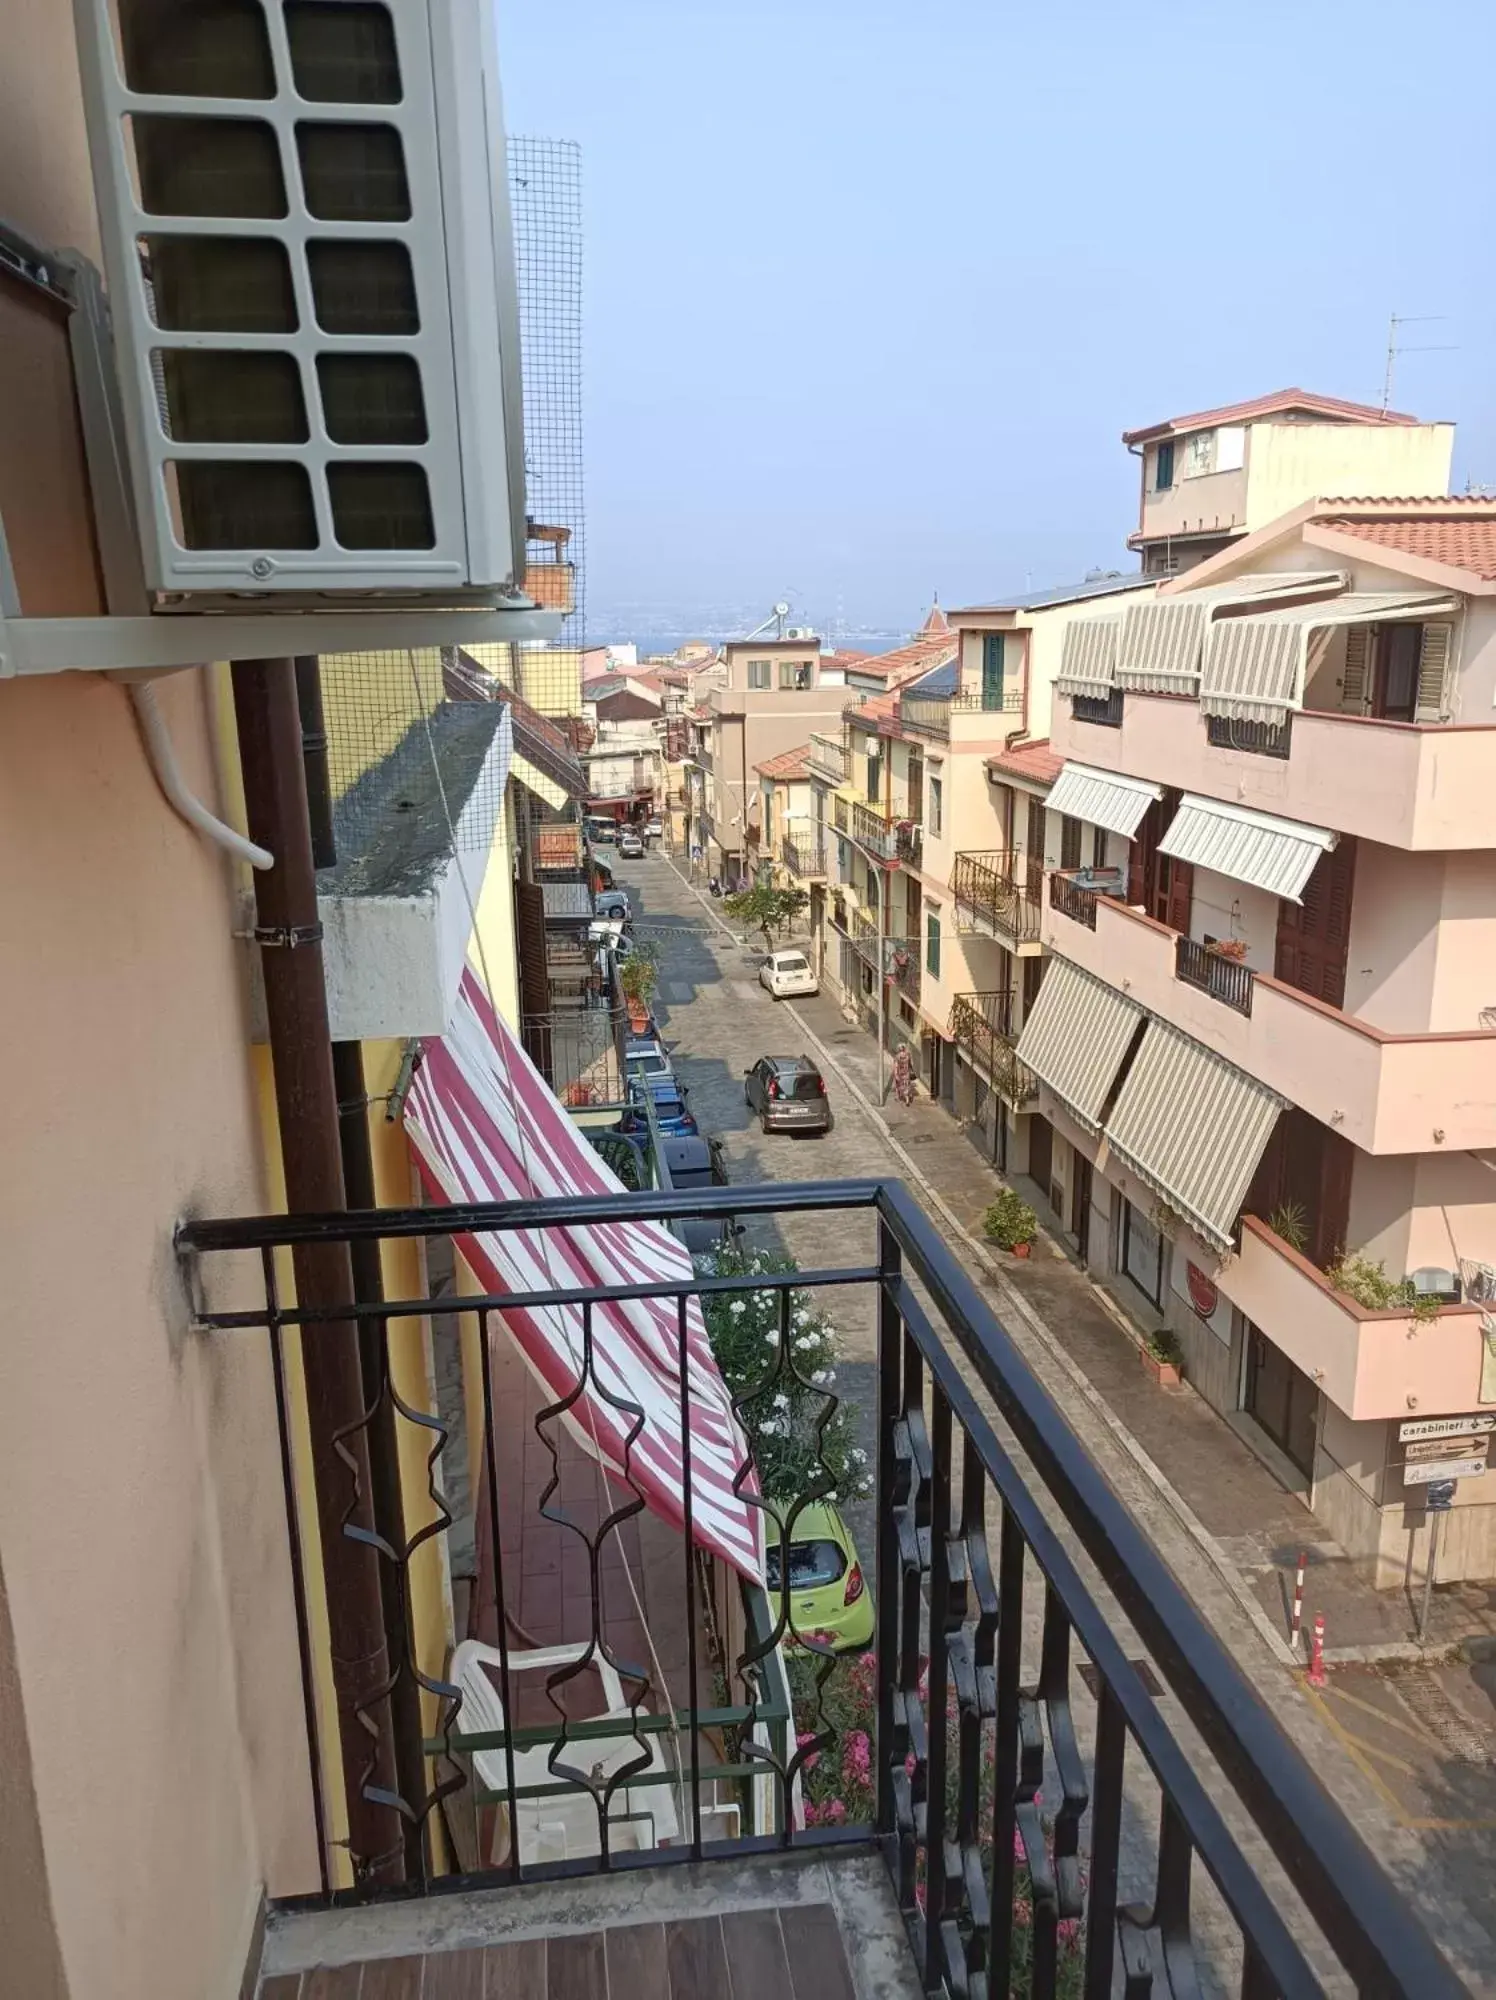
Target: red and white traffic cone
1297	1624
1317	1676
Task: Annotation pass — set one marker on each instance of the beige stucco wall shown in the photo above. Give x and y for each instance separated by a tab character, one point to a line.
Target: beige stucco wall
142	1527
1291	463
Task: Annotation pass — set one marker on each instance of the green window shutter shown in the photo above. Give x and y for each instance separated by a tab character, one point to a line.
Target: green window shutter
1355	685
992	670
1433	673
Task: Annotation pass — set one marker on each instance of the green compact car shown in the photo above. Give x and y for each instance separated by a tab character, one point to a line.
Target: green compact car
829	1597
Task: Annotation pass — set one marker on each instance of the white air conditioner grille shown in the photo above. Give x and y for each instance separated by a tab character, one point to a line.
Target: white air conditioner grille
305	234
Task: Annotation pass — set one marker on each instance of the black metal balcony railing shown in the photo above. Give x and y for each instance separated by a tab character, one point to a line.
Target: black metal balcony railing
997	1794
998	894
1263	739
981	1025
803	858
993	701
1224	979
1068	897
1105	709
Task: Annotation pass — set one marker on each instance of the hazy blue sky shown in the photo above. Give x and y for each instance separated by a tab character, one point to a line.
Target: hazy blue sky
873	288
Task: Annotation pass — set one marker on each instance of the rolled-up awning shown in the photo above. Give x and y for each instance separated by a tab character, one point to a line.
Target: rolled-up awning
1194	1127
1088	660
484	1127
1077	1032
1103	798
1255	668
1278	855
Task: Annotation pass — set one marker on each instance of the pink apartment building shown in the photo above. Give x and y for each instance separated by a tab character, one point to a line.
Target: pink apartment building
1265	1043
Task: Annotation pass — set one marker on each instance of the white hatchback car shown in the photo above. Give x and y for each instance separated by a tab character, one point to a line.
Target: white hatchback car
786	972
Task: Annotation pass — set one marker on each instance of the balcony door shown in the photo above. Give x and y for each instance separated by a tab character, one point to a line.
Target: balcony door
1165	887
1282	1399
992	670
1394	686
915	808
1314	936
1304	1177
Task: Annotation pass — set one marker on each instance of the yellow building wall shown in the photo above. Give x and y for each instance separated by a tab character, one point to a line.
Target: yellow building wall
1290	463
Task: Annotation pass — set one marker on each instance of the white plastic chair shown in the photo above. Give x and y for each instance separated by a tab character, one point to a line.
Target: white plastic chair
565	1825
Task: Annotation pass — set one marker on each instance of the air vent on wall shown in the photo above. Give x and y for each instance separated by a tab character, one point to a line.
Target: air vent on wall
307	240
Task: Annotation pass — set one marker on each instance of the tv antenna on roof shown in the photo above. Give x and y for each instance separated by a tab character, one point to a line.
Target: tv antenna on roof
1395	348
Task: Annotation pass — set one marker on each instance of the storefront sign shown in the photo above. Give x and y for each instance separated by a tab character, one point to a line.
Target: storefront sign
1188	1281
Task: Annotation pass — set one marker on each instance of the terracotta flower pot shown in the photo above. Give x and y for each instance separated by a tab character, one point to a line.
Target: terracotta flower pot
1163	1372
1022	1249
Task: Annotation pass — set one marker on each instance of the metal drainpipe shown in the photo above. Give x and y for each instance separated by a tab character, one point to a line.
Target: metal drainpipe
368	1276
290	937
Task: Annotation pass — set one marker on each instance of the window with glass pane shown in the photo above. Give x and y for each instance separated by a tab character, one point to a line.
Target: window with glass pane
933	809
794	673
1163	466
874	778
758	673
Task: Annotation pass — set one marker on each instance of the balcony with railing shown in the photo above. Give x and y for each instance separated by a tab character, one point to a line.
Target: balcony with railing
998	895
991	1798
828	759
804	855
1075	892
889	836
981	1026
1386	1093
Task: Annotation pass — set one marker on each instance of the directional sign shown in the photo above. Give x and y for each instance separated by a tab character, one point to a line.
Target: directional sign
1463	1447
1443	1468
1445	1427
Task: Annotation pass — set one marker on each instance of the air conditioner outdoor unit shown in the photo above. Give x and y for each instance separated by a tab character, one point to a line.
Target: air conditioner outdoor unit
307	240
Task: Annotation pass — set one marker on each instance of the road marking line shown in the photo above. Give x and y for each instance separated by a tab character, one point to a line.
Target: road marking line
1413	1729
1383	1756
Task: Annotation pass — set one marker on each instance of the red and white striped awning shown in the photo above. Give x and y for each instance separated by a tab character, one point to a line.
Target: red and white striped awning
485	1126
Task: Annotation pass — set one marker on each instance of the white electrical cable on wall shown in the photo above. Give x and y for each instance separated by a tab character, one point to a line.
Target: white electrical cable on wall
157	740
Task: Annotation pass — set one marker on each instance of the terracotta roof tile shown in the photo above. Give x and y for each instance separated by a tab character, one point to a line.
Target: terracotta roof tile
789	764
1459	533
1034	761
931	649
1279	403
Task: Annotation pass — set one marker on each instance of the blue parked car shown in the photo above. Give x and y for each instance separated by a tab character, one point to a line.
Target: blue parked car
670	1106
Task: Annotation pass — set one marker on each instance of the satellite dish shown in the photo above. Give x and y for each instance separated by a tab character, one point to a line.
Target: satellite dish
781	611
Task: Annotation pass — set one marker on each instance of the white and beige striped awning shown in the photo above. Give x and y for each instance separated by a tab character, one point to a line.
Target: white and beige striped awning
1076	1035
1102	797
1193	1126
1278	855
1159	650
1255	668
1088	661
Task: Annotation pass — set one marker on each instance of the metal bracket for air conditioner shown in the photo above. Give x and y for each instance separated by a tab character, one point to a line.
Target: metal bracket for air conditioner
132	637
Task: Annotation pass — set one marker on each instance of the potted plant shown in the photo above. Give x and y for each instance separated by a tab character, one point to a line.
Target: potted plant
1289	1221
638	975
1232	948
1163	1357
1011	1223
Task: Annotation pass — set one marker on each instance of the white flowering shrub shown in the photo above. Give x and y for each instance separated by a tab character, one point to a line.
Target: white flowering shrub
801	1435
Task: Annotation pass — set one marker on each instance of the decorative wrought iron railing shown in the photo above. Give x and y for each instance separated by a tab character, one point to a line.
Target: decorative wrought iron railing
890	837
998	1741
828	759
994	701
998	894
1223	978
981	1024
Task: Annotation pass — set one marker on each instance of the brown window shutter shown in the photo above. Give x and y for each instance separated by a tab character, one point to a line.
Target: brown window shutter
534	975
1433	673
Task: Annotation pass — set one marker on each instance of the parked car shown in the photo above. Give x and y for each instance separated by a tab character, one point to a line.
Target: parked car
672	1109
630	846
654	828
601	830
785	972
612	903
829	1597
645	1055
695	1162
788	1093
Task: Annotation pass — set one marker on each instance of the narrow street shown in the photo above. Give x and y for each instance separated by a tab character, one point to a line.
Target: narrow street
1422	1813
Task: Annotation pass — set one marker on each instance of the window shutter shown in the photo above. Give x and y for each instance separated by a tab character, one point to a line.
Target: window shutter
1355	686
1433	673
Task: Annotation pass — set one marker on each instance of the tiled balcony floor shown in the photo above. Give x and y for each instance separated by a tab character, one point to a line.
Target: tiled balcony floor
756	1930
